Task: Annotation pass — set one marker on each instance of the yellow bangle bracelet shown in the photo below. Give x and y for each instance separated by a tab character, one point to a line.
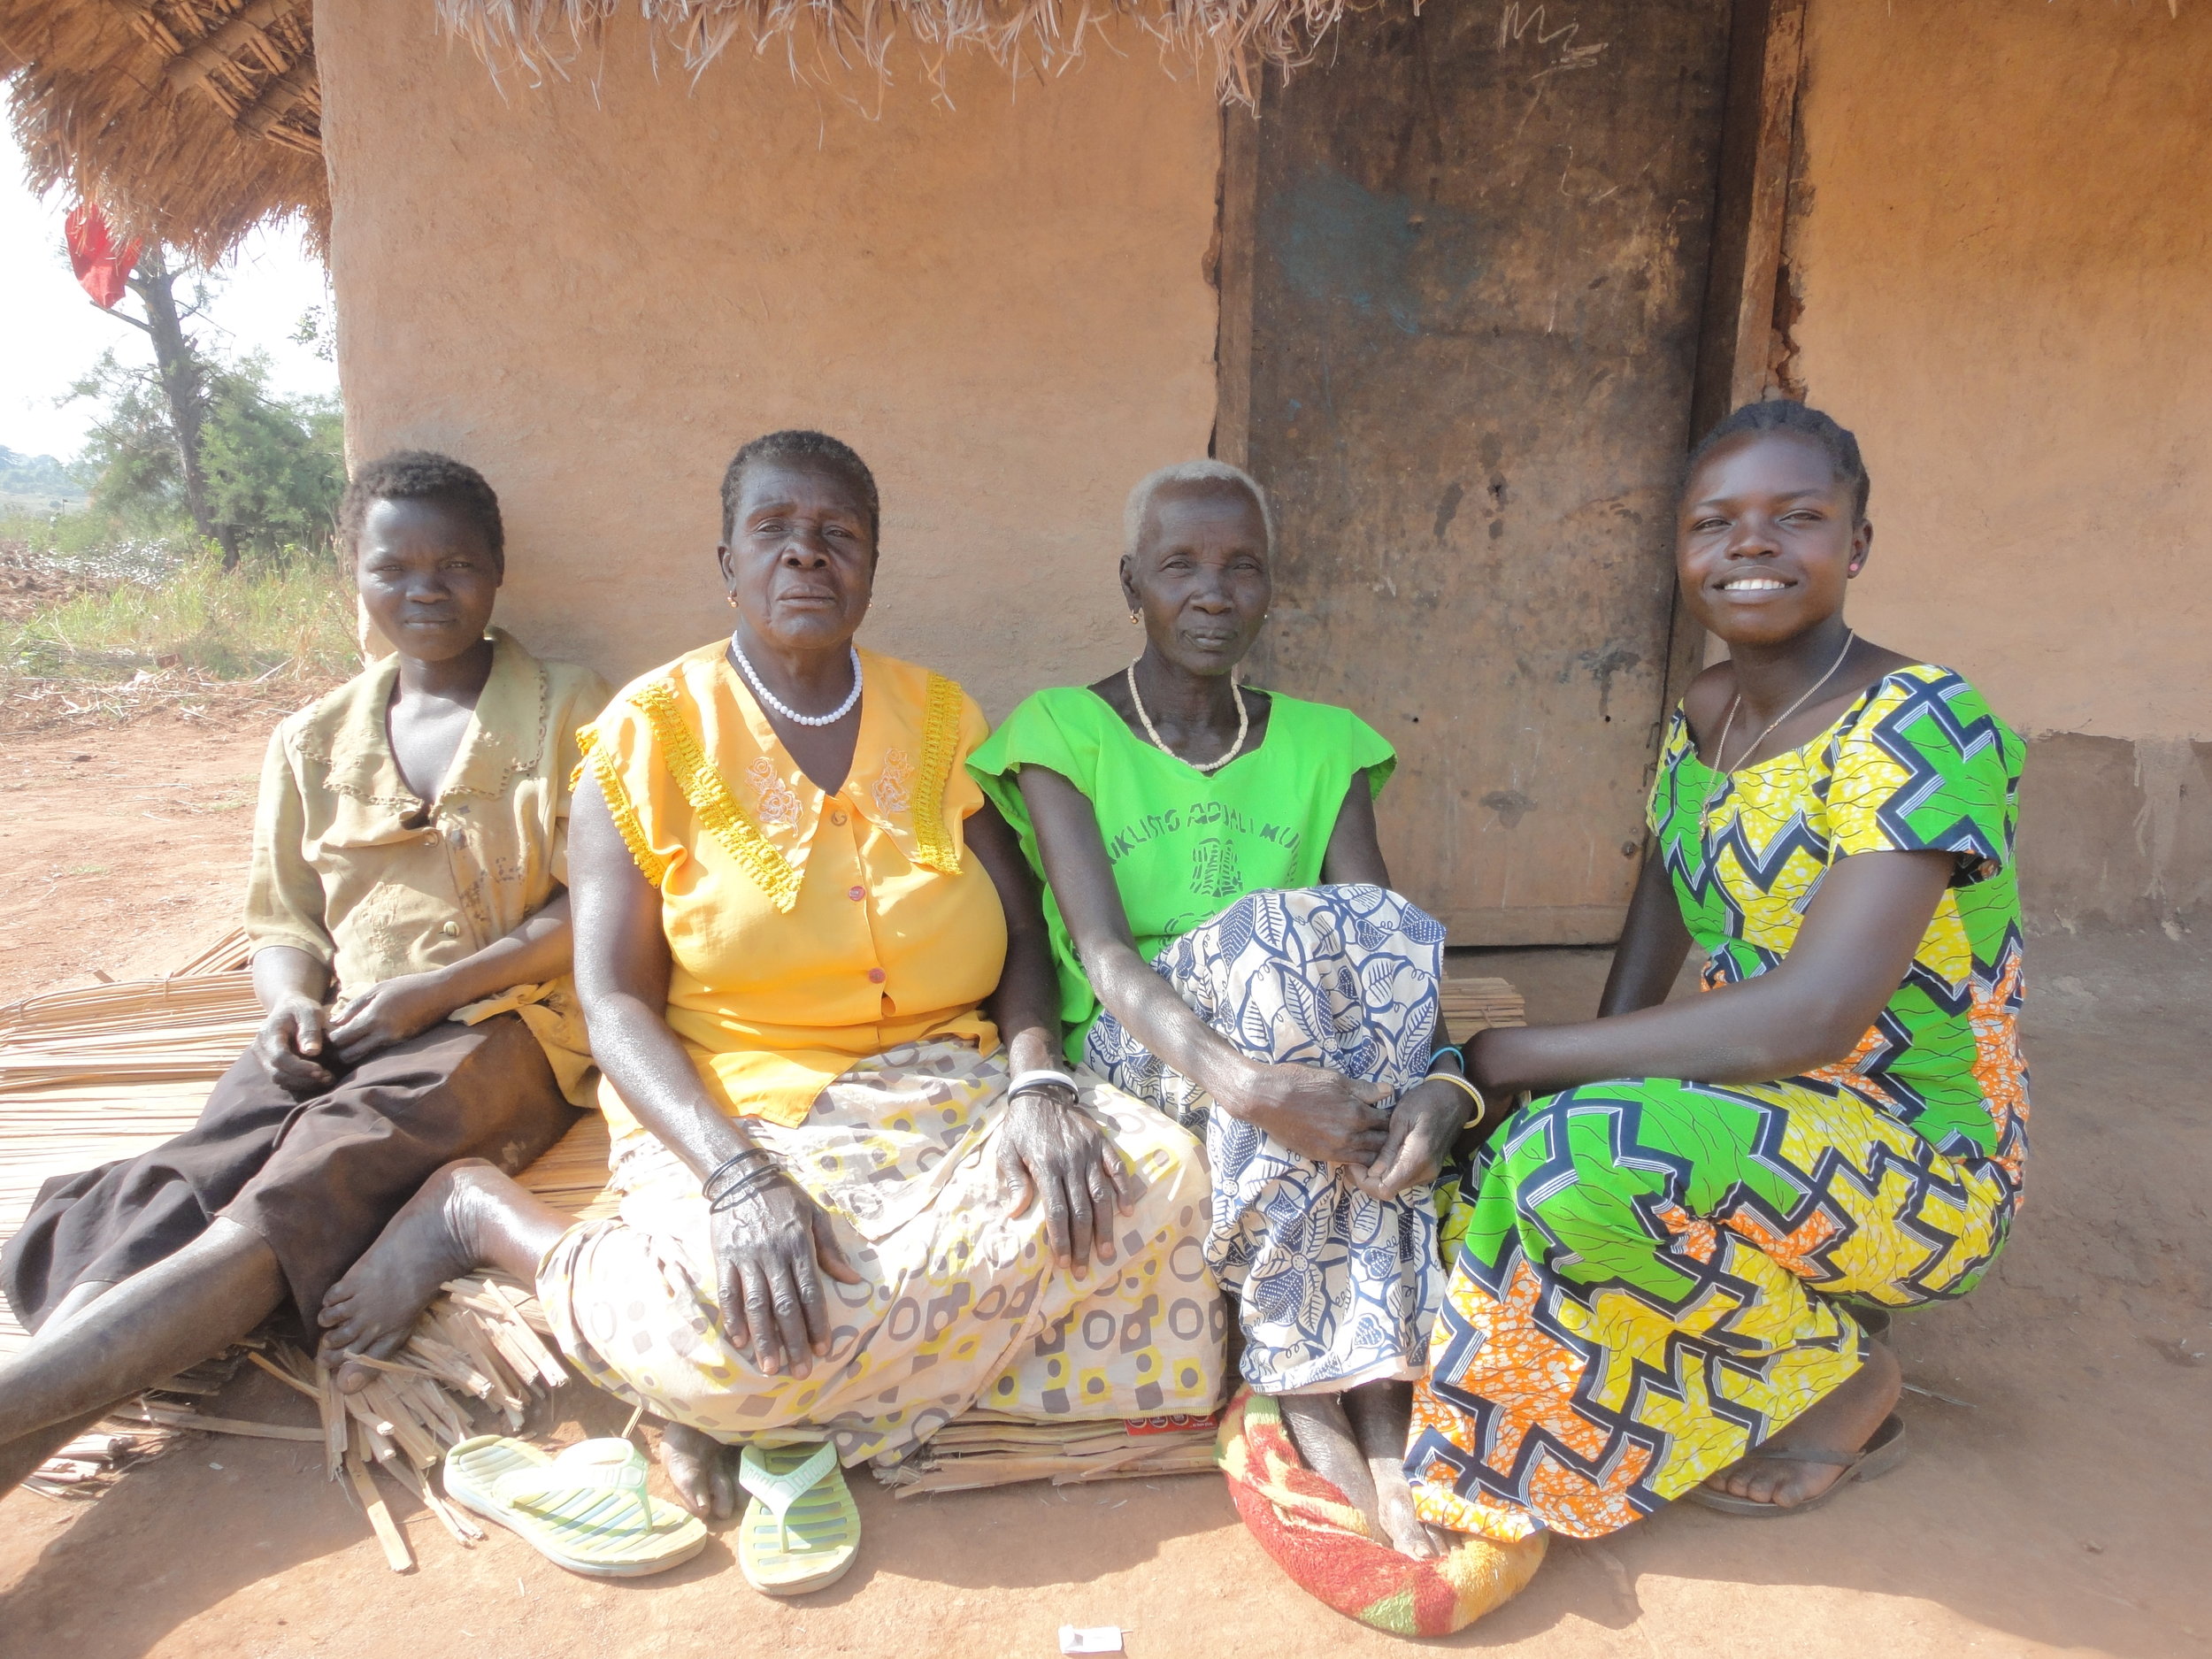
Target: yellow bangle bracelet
1482	1106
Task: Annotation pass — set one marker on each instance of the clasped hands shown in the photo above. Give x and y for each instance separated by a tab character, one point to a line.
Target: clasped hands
1338	1120
300	1037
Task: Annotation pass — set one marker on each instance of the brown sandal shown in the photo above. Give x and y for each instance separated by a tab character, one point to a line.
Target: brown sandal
1883	1452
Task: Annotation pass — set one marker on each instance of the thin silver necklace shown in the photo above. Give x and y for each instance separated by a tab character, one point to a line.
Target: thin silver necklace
1244	723
1720	744
778	705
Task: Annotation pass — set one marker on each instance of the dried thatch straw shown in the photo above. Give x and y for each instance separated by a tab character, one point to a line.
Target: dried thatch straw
190	121
820	39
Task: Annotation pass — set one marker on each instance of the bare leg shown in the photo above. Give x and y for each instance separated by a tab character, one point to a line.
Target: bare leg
19	1458
465	1217
702	1470
1381	1413
152	1325
1324	1437
79	1298
1842	1421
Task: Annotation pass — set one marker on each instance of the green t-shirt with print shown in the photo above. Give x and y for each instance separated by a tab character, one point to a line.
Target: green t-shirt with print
1184	844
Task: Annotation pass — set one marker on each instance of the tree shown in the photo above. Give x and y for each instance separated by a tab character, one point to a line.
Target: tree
182	378
203	440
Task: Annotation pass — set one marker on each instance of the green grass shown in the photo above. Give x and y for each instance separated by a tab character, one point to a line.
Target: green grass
166	603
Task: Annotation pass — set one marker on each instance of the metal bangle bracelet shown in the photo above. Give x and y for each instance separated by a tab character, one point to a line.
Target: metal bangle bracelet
1482	1106
728	1199
706	1188
1030	1082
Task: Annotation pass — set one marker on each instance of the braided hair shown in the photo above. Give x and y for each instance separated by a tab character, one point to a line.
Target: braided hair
1800	420
422	475
806	448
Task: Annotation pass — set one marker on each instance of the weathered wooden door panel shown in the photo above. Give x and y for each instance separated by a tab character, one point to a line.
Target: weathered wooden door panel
1477	244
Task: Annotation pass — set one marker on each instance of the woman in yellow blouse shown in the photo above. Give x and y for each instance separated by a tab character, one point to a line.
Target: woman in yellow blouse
849	1211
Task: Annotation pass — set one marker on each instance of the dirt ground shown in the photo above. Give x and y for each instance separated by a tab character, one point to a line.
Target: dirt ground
2056	1499
122	848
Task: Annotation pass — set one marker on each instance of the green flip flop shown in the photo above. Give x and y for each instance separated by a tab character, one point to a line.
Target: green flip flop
586	1509
800	1532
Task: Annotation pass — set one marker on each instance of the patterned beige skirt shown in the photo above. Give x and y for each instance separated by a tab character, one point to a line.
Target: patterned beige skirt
958	1303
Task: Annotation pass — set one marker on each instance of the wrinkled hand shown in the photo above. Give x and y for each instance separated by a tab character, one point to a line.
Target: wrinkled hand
774	1245
1423	1127
1326	1115
1051	1147
388	1013
292	1043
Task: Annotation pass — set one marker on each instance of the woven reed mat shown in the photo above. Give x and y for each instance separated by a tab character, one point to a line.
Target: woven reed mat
92	1075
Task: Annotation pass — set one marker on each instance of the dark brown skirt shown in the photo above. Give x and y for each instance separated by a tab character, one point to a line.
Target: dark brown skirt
316	1178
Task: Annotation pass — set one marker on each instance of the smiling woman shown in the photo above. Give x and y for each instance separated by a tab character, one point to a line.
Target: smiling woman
1674	1260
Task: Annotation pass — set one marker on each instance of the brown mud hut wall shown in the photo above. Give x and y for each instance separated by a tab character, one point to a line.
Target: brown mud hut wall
1996	271
2001	254
596	288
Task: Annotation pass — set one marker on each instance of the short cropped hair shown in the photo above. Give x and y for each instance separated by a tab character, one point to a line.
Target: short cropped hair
421	475
808	449
1783	414
1187	473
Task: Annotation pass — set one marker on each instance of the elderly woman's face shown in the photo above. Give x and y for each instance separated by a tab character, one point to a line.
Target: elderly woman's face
800	561
1199	575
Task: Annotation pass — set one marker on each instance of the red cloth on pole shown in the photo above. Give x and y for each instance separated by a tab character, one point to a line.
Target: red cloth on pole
101	266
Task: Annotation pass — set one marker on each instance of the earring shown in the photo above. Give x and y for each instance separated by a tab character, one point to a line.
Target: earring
732	599
1136	619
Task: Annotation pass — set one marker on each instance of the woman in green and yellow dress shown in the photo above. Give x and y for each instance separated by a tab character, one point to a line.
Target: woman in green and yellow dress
1671	1266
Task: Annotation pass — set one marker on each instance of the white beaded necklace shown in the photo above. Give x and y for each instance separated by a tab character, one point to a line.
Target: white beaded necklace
1244	724
776	704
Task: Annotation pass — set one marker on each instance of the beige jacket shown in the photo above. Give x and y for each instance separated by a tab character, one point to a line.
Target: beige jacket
349	866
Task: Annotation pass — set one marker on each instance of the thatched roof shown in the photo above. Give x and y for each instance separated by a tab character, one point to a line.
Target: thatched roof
187	120
1229	39
193	120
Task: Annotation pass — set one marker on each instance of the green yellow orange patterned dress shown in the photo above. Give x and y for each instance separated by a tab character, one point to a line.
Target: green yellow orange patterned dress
1653	1275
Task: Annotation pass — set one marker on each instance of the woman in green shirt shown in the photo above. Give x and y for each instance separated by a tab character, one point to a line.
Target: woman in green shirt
1229	950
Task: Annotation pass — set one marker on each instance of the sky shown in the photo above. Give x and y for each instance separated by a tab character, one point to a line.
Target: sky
50	333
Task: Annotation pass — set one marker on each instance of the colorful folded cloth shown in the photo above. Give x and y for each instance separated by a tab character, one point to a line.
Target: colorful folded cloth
1328	1548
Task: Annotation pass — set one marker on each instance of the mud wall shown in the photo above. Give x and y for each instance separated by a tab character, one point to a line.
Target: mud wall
596	288
2001	261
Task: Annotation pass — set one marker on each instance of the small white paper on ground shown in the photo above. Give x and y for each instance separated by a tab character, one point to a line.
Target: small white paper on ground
1090	1639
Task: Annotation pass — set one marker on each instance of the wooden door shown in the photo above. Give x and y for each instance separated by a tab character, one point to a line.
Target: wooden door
1464	264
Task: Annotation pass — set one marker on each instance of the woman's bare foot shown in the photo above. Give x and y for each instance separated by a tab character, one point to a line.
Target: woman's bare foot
1346	1439
703	1471
1842	1421
1380	1414
372	1310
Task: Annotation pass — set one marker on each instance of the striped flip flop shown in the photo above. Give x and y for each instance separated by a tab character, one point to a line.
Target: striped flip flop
800	1532
587	1509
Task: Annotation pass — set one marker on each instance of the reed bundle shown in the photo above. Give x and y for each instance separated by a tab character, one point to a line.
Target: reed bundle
989	1449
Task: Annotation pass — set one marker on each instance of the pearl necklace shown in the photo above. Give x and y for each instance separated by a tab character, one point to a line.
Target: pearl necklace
776	704
1720	744
1244	724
